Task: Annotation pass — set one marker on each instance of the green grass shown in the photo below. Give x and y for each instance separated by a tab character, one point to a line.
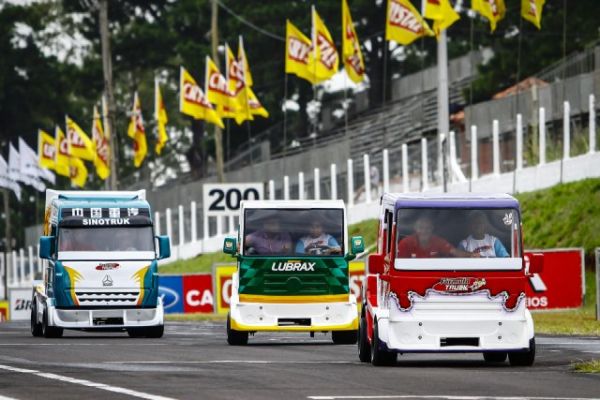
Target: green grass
566	215
200	263
588	367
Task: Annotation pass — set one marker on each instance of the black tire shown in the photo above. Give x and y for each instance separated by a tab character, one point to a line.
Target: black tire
155	332
36	327
50	332
364	347
235	338
379	356
136	332
344	337
523	358
494	356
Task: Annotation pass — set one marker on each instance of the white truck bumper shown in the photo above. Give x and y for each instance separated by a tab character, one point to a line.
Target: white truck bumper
106	318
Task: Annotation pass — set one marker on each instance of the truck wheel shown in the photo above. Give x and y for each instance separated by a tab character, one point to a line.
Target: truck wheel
364	347
344	337
36	327
50	331
494	356
155	332
379	356
235	338
523	358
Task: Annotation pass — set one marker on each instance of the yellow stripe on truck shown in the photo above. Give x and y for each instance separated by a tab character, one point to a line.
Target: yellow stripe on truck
328	298
256	328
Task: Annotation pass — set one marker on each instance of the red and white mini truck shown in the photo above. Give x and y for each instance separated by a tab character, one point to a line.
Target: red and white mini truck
449	275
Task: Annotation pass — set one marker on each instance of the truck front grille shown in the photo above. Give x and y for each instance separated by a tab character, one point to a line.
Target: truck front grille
97	298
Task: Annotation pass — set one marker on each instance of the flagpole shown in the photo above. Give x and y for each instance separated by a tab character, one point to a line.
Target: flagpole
384	79
443	118
7	236
518	78
285	94
345	102
227	141
250	142
314	43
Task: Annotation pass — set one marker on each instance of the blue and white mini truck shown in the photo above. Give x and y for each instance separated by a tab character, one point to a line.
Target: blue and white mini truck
100	265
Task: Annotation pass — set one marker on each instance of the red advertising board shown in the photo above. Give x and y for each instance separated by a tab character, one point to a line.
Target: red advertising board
562	282
198	294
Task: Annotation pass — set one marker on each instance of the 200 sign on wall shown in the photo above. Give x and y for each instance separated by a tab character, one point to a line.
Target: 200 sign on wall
225	198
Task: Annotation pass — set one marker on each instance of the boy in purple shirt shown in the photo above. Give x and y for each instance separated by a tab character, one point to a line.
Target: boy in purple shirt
269	241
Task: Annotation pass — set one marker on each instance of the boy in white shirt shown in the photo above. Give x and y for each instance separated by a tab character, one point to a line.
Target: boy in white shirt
480	242
317	242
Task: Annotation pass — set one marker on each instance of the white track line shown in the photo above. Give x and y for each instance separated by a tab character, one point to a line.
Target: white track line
84	382
442	397
6	398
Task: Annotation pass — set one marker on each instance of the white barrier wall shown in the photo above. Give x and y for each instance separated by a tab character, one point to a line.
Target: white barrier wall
21	265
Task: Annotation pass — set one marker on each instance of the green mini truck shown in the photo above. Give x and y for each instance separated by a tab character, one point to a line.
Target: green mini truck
293	272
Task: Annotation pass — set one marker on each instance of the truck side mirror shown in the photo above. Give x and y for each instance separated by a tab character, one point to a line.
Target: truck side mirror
357	244
376	264
536	263
164	247
47	245
230	246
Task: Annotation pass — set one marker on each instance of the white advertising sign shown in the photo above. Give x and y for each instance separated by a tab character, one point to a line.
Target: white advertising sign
20	304
224	199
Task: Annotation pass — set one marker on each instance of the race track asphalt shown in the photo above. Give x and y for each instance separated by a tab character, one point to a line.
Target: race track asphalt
193	361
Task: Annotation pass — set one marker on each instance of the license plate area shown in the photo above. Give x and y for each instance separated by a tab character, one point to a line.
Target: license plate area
101	321
459	341
293	322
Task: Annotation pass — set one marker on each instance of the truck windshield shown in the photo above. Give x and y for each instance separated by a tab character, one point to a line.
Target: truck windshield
293	232
456	232
133	238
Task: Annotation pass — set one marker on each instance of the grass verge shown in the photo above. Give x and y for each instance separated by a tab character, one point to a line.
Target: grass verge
588	367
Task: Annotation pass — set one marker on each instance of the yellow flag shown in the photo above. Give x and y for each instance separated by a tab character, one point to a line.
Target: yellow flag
325	60
46	150
101	162
160	114
80	144
256	108
77	172
137	132
217	90
531	10
297	50
244	63
192	100
61	161
236	77
354	62
442	13
403	23
493	10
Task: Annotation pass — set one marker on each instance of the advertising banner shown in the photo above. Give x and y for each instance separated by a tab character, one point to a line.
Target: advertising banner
170	289
561	284
223	282
20	304
198	293
4	311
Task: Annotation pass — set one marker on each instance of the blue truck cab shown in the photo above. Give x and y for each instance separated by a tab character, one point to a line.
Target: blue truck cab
100	265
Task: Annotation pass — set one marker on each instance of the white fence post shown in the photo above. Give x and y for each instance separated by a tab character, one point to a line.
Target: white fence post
542	130
496	146
181	227
31	262
367	172
220	225
271	189
301	185
168	217
15	275
286	187
405	177
424	166
157	222
592	123
317	181
40	262
474	157
194	221
519	149
386	171
21	266
333	179
350	172
566	130
205	227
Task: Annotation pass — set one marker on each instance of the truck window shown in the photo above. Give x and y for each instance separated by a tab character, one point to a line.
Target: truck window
293	232
457	232
138	238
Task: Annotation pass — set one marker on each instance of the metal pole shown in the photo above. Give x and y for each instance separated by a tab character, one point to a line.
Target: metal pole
271	189
367	173
286	187
566	130
214	34
111	133
350	172
317	185
592	123
333	180
194	222
7	237
496	146
519	142
542	131
405	182
301	185
386	171
424	166
157	223
443	111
